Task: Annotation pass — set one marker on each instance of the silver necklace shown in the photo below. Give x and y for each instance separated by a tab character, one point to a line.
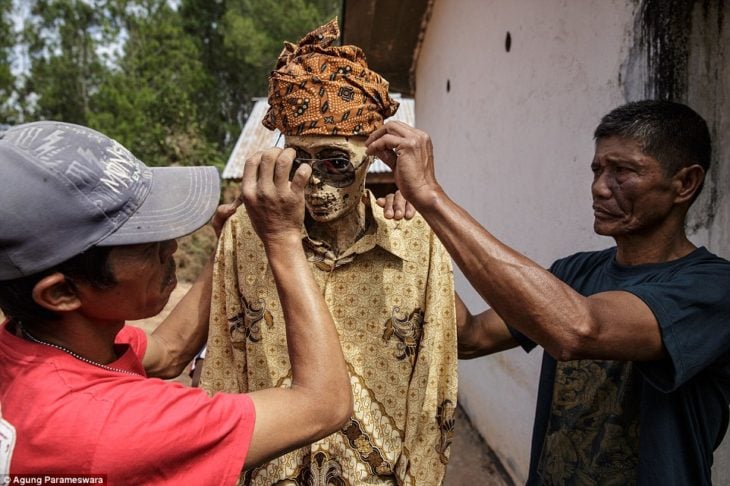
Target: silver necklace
75	355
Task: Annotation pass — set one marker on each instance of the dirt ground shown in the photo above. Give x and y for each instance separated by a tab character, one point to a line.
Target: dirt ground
472	462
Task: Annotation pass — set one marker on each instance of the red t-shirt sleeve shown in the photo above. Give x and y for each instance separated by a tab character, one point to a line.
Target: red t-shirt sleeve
159	432
135	337
180	435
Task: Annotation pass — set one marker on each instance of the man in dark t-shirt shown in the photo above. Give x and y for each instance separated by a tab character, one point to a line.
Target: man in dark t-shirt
635	381
663	416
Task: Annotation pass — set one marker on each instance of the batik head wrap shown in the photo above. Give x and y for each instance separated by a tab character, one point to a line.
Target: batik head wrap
320	89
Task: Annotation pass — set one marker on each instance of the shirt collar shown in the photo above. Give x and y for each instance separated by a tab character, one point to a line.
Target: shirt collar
385	233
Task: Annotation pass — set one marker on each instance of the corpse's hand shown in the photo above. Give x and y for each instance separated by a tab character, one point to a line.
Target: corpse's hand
408	152
275	204
222	213
396	207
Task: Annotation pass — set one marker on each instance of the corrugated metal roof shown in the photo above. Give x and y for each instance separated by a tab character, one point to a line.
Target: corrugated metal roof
255	136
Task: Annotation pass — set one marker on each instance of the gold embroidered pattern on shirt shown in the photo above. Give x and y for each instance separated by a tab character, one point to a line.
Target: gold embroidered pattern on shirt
407	329
403	374
248	321
446	420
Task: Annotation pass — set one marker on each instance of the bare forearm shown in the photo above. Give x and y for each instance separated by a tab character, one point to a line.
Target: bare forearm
480	334
607	325
314	348
183	333
521	292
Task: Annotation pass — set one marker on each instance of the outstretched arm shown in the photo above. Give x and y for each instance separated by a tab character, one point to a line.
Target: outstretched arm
319	401
480	334
608	325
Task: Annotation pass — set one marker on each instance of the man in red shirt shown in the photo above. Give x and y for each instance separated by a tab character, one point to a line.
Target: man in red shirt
87	236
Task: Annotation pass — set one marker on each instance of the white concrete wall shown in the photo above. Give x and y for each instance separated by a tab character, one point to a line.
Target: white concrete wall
512	136
708	92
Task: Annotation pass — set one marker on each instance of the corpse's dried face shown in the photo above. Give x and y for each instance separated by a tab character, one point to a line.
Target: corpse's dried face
339	166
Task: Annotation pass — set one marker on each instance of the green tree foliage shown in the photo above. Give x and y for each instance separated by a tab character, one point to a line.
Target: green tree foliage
255	31
202	22
62	37
171	79
152	100
241	40
7	80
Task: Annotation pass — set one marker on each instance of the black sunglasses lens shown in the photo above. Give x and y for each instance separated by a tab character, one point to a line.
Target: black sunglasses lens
335	167
336	172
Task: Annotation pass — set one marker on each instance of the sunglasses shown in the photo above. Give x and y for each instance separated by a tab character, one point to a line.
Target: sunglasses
335	171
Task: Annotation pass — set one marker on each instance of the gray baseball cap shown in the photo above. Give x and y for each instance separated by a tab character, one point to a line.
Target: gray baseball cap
65	188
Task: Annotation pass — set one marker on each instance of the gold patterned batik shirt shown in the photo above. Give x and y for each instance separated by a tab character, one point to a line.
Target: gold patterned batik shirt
392	298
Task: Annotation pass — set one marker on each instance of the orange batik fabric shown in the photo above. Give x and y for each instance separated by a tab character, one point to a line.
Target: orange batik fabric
392	299
321	89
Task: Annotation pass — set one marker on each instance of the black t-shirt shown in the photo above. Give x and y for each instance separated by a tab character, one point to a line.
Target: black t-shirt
652	422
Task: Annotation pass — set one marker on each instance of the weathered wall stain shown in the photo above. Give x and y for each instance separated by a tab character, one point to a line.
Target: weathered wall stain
672	37
664	28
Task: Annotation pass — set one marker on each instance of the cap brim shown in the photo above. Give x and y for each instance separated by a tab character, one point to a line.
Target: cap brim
181	200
